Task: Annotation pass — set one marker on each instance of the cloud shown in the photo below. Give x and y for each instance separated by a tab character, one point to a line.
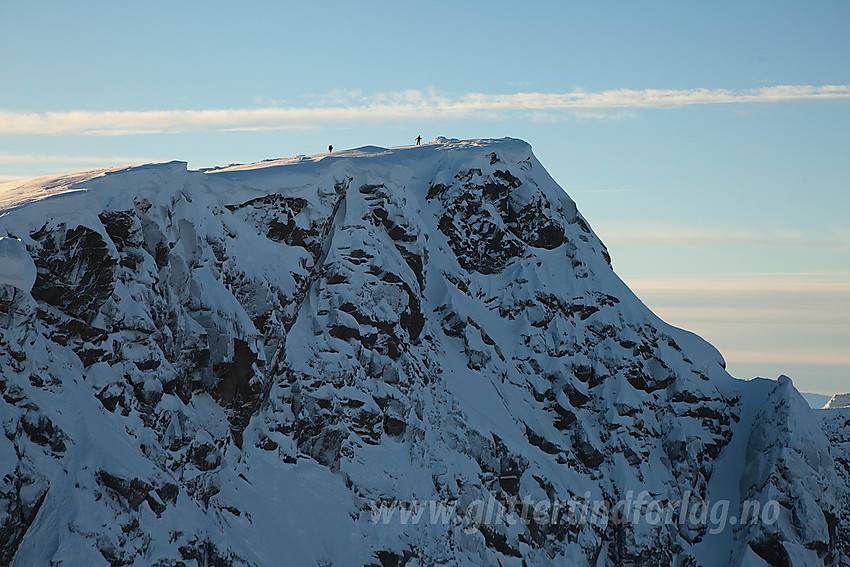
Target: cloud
604	114
343	106
711	236
813	283
29	159
764	320
816	358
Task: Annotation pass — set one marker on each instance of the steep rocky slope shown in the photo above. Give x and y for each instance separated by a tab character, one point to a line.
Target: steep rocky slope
836	425
370	358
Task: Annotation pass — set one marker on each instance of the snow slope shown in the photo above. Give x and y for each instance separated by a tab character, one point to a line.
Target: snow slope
16	267
838	401
308	361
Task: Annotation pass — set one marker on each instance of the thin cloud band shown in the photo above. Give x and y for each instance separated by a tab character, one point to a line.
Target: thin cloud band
407	105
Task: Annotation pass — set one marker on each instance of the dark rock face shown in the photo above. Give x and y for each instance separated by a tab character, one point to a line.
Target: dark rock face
75	271
258	353
488	223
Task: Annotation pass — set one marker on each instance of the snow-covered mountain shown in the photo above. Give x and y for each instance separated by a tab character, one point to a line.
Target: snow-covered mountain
815	401
414	356
838	401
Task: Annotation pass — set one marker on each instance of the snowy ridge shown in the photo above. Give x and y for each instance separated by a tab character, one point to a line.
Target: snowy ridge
254	365
838	401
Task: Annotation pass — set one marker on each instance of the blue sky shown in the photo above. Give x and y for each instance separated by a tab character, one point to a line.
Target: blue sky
707	143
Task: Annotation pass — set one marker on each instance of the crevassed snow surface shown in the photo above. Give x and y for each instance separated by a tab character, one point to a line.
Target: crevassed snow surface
338	359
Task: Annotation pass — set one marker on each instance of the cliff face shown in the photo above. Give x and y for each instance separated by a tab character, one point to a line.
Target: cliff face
370	358
836	425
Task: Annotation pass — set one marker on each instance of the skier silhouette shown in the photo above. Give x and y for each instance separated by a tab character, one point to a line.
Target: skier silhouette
330	149
418	140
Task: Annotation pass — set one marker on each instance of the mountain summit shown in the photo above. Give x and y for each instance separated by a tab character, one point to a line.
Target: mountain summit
410	356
